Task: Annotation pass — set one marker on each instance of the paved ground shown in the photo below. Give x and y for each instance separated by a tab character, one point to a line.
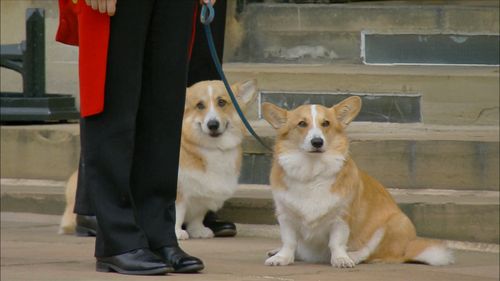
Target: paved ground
31	250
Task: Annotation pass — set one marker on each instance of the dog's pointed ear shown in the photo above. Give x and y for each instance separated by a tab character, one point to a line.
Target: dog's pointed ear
347	110
274	115
245	91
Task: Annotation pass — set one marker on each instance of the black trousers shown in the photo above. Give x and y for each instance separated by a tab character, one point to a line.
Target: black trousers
131	150
201	68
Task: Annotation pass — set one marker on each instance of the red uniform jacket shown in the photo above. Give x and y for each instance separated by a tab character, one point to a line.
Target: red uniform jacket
89	29
81	26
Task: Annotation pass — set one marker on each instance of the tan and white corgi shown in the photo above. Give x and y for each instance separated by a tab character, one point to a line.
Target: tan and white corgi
328	209
210	156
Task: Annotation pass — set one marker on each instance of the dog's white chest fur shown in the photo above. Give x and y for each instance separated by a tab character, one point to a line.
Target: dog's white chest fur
308	197
312	204
216	183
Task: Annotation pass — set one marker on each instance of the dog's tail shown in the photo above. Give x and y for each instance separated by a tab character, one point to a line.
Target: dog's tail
68	220
429	252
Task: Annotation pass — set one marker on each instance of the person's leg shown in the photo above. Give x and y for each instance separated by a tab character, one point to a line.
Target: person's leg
108	142
83	204
159	124
159	121
86	222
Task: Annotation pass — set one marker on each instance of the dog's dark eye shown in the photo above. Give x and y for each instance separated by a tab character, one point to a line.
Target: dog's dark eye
302	124
221	102
325	124
200	106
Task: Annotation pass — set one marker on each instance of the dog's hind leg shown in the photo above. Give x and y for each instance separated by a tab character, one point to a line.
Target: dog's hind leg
194	222
180	213
196	229
362	254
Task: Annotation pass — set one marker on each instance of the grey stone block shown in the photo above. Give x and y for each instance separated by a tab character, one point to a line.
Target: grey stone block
39	154
436	164
431	49
292	33
377	107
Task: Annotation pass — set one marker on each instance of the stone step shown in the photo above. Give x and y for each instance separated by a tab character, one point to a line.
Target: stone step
406	155
326	33
451	95
445	214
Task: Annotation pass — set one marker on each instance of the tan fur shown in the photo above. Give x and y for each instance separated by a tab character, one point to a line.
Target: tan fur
68	220
369	207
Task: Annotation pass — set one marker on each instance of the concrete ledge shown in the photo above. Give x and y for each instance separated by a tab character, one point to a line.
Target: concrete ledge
39	152
406	155
444	214
446	91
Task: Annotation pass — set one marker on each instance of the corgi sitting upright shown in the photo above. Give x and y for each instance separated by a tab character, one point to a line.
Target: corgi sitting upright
211	153
210	157
329	210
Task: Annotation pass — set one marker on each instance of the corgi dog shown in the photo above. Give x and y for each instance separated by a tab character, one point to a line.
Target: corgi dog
209	161
211	153
328	210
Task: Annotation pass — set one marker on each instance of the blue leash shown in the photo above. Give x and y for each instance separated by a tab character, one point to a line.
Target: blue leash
206	20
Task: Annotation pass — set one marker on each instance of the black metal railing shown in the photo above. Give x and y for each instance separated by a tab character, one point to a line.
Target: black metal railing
28	59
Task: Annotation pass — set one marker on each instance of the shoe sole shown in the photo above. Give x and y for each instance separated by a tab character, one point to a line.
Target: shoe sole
84	231
225	233
190	269
106	267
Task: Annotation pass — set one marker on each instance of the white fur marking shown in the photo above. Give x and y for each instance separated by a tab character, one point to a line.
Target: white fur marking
212	114
314	132
300	166
313	114
436	255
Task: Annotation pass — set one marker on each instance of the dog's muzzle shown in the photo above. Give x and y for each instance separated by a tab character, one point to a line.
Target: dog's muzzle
213	128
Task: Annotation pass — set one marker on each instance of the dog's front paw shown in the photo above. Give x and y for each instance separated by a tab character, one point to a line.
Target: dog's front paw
278	260
181	234
342	262
200	232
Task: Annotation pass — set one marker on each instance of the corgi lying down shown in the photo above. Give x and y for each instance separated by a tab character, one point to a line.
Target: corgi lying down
328	209
210	157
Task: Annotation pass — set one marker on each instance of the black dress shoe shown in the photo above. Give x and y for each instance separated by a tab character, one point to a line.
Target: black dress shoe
86	225
180	260
219	228
136	262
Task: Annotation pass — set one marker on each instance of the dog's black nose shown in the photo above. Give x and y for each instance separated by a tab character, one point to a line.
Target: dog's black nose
213	125
317	142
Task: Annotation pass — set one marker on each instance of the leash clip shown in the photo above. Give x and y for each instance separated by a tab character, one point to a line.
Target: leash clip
207	9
